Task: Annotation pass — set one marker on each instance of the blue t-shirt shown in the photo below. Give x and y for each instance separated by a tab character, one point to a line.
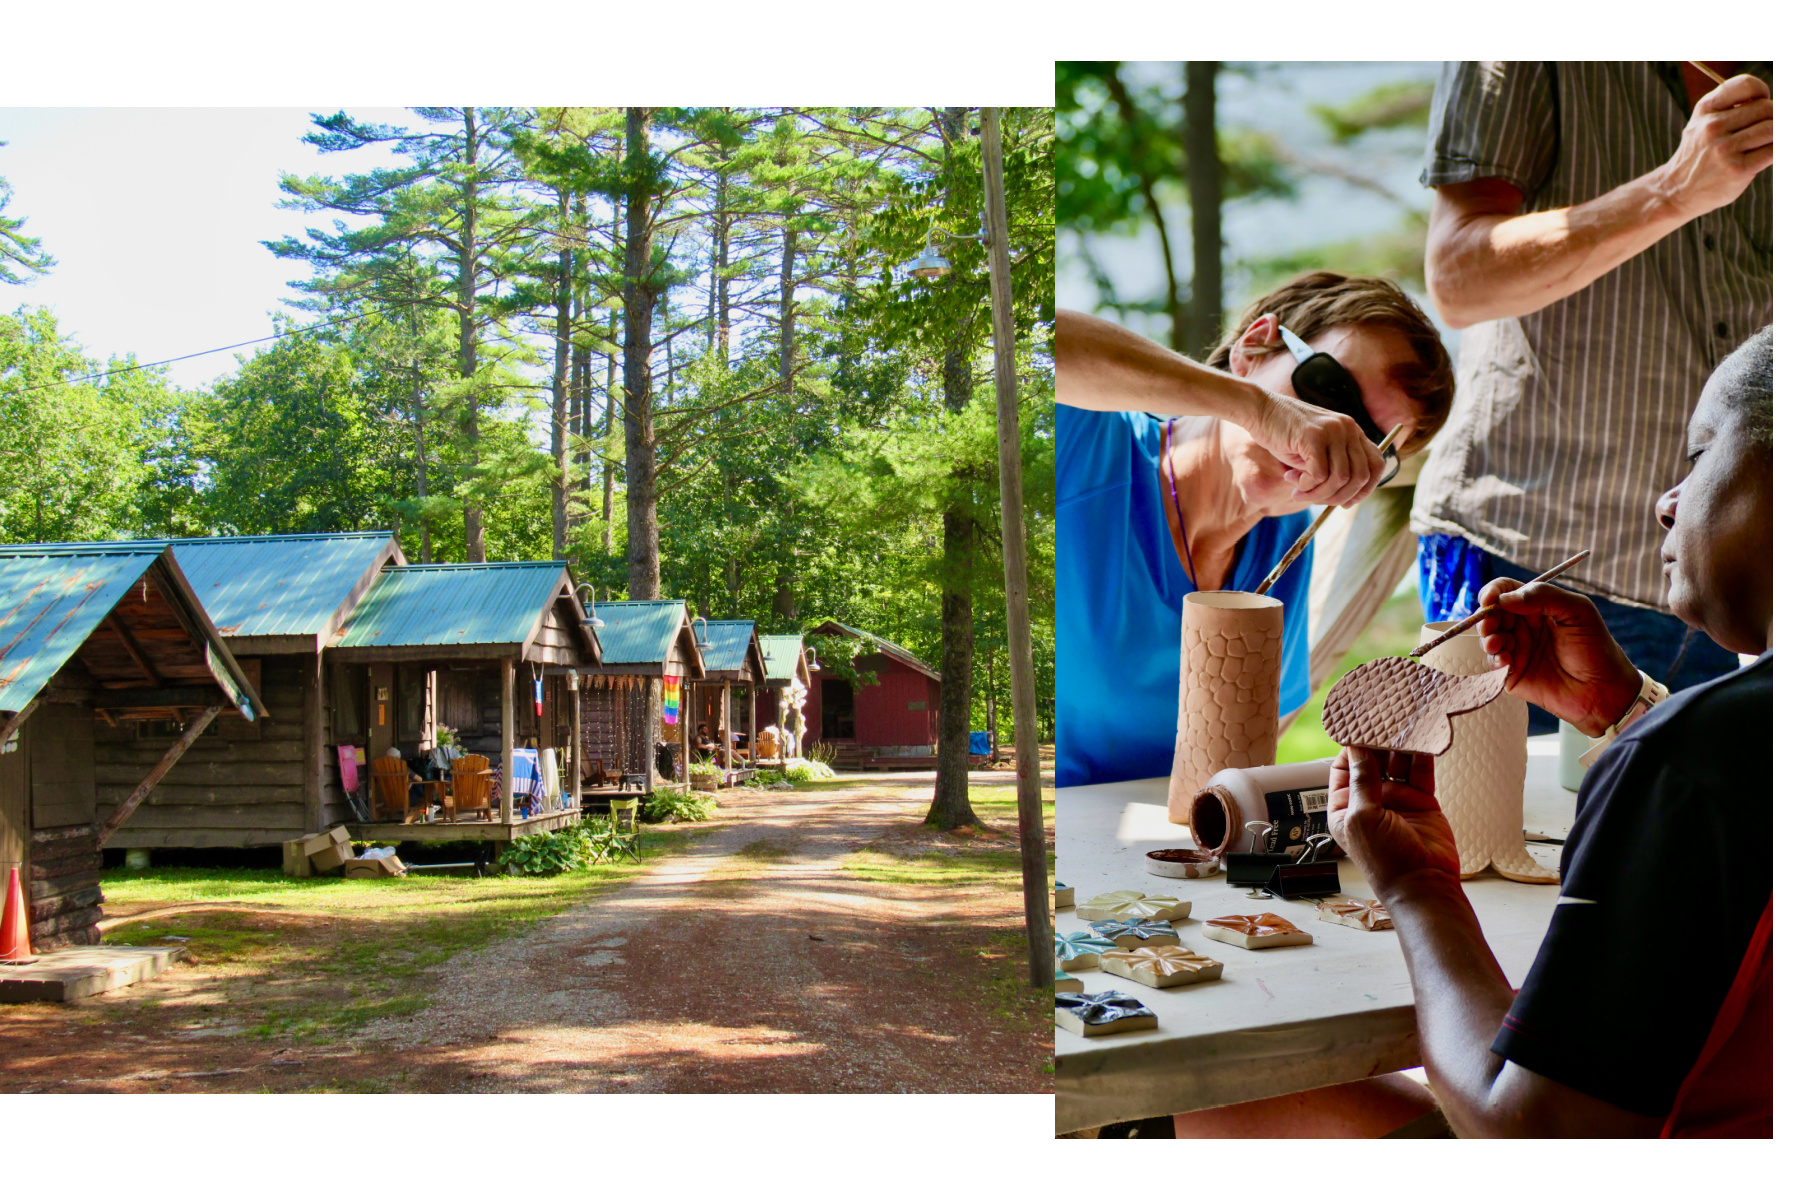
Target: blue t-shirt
1119	587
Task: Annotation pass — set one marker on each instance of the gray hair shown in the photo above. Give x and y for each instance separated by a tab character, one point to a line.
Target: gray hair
1745	384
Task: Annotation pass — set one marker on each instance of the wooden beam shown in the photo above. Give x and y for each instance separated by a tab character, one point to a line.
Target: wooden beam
312	741
136	652
123	813
14	720
508	735
159	697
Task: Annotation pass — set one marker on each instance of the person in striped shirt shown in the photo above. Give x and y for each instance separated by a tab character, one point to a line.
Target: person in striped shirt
1603	231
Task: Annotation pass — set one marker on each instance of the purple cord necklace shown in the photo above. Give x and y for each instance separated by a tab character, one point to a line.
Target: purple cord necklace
1168	430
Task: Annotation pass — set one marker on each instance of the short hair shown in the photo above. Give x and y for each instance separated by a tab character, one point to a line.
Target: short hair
1321	300
1745	384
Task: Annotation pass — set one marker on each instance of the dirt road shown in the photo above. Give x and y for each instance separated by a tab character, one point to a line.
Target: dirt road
751	962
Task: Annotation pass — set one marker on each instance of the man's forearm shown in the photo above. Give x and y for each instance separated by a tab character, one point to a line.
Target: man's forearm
1482	264
1460	995
1103	366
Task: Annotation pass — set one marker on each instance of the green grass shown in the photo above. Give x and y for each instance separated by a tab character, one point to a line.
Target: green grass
323	956
950	870
991	800
1394	631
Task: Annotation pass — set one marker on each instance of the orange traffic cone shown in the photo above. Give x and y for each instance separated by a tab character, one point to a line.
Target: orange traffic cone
15	924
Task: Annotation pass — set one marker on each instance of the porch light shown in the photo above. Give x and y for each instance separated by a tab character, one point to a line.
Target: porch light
587	607
704	643
932	265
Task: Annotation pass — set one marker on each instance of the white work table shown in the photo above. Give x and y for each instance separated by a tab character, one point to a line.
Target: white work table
1280	1020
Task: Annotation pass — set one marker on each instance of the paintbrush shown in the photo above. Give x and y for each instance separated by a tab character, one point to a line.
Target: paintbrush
1488	610
1706	71
1287	560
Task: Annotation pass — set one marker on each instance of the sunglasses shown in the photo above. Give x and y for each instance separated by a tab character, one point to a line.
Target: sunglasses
1322	380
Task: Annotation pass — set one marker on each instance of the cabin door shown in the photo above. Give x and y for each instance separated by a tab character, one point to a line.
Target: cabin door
15	806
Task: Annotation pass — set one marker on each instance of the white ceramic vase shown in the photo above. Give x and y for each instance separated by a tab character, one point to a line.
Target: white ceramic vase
1481	778
1229	710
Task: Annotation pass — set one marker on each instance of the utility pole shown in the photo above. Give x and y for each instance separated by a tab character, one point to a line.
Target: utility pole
1012	525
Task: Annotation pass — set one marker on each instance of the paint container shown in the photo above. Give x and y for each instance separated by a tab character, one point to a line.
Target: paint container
1481	778
1291	797
1229	710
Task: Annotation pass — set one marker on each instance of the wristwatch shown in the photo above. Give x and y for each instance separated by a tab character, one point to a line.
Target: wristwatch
1649	696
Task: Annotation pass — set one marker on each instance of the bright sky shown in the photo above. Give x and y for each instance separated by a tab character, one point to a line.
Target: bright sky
156	218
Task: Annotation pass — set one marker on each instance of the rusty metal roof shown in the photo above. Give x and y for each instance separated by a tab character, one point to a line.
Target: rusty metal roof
784	653
453	604
274	586
51	598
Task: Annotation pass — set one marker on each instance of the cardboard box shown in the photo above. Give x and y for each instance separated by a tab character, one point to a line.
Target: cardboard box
329	850
294	860
374	868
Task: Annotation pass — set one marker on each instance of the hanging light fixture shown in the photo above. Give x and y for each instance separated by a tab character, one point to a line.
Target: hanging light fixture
931	264
705	645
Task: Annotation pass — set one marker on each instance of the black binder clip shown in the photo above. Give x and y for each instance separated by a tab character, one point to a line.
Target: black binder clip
1310	875
1252	869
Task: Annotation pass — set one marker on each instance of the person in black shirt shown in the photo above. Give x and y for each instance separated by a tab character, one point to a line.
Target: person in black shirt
1649	1006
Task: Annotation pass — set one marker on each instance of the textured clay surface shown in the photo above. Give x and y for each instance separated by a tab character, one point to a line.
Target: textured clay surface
1230	694
1124	905
1260	925
1481	779
1402	704
1358	914
1081	951
1161	966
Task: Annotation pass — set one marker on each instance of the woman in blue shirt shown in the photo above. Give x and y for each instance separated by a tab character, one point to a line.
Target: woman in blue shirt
1210	496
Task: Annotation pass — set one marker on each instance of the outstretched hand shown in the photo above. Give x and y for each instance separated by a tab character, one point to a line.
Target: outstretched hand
1383	811
1558	653
1729	139
1329	459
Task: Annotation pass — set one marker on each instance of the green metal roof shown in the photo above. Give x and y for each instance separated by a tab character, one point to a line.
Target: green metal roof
639	631
782	652
732	644
453	604
51	598
271	586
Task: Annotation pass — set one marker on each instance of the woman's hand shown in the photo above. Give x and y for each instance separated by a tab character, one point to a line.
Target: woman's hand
1383	811
1558	653
1329	459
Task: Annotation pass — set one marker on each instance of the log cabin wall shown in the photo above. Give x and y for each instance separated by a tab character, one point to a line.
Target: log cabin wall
613	708
54	767
242	783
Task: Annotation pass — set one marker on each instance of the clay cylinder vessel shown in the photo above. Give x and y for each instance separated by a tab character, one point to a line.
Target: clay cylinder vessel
1290	796
1481	778
1230	690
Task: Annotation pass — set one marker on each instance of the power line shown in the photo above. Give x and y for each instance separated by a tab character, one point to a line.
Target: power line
183	358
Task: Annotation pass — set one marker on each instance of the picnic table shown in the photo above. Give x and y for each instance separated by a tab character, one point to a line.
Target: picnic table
1280	1020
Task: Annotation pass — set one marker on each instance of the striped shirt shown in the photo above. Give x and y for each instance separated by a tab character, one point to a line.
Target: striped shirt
1571	421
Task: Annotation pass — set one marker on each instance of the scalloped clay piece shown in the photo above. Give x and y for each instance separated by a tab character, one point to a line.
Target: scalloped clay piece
1081	951
1256	932
1161	966
1402	704
1065	895
1124	905
1095	1014
1066	982
1358	914
1133	935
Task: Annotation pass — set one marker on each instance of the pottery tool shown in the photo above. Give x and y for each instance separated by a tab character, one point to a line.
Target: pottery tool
1287	560
1256	932
1161	966
1706	71
1091	1015
1488	610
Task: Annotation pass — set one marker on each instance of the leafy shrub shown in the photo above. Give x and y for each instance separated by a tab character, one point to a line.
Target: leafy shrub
668	804
704	770
806	770
582	844
766	776
824	753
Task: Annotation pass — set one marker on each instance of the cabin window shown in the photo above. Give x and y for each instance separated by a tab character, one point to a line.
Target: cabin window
349	703
837	709
409	704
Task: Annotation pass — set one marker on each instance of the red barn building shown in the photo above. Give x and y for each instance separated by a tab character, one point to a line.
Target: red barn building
895	718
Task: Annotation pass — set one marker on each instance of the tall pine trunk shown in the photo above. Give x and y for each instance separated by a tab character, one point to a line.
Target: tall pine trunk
950	808
474	533
1200	146
559	395
643	559
790	242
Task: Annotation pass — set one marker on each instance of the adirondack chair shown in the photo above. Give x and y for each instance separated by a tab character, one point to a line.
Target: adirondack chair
471	787
765	745
597	773
390	779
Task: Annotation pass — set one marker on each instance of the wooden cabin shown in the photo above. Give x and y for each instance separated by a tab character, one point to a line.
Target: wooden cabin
890	723
785	666
734	671
476	648
97	637
651	662
278	602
